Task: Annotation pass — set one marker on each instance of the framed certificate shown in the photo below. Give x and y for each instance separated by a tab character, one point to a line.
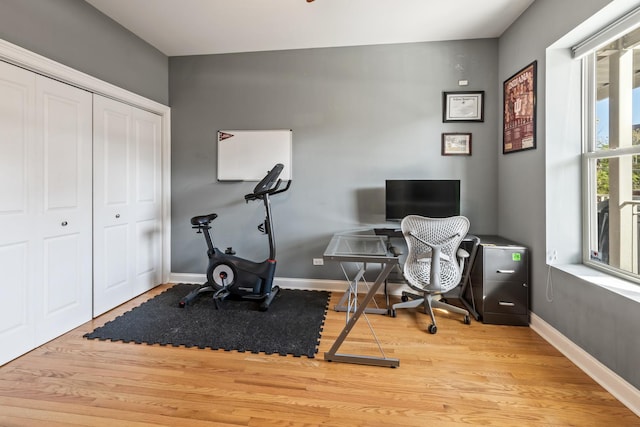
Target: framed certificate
463	106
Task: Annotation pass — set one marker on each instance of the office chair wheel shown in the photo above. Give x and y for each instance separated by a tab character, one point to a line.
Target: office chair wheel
467	320
392	312
432	329
404	298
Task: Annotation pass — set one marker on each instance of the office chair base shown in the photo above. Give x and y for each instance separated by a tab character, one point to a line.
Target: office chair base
428	302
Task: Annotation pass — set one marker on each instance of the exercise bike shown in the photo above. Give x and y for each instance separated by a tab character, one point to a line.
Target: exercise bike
229	275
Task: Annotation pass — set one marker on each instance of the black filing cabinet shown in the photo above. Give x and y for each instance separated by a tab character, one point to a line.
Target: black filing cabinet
500	282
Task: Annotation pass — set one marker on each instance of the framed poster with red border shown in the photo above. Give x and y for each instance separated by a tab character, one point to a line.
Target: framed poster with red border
519	115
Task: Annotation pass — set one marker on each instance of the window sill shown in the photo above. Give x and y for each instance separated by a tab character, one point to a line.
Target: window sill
620	286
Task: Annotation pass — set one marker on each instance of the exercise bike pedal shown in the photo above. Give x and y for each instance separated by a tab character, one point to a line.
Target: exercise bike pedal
216	302
191	296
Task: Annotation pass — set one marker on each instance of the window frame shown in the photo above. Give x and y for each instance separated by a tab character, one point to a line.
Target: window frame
590	156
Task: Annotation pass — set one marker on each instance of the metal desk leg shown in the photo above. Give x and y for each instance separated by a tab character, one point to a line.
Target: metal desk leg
466	281
332	354
353	288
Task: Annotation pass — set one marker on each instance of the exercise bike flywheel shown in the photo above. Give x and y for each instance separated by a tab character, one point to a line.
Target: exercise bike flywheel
224	275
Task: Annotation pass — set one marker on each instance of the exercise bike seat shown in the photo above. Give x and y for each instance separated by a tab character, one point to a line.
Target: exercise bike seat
203	220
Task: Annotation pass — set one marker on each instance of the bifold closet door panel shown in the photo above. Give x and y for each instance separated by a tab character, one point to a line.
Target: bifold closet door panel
127	203
45	209
113	175
19	222
147	204
64	120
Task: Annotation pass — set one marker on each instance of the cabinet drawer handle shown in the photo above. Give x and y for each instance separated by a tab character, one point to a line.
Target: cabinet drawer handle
506	303
506	271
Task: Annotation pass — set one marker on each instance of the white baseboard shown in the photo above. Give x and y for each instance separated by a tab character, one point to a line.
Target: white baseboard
304	284
187	278
627	394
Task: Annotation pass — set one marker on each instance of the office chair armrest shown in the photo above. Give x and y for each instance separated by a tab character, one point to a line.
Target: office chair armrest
462	253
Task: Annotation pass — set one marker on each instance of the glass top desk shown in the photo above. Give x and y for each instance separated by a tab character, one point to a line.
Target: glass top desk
357	248
360	248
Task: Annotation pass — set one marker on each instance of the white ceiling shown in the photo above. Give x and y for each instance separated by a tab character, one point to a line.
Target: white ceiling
198	27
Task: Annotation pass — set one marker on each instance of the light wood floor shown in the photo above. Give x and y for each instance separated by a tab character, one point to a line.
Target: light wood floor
464	375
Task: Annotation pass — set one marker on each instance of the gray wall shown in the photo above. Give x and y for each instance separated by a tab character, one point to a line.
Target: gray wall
539	202
75	34
359	115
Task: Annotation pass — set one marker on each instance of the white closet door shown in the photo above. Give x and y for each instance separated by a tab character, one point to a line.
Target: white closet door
19	225
45	171
127	203
147	203
112	148
64	120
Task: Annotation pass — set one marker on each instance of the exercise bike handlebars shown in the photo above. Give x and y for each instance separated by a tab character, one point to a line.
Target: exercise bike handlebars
266	186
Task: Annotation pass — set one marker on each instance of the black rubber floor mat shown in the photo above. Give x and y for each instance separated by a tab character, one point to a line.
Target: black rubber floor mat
292	325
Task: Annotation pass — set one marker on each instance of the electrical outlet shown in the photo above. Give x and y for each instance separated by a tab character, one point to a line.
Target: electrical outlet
318	261
552	256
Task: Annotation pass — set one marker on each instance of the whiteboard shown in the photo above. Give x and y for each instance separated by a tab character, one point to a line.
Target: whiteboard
247	155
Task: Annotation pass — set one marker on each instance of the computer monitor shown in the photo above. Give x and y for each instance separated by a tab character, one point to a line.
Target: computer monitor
434	198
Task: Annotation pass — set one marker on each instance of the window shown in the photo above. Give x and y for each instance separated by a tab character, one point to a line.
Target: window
611	156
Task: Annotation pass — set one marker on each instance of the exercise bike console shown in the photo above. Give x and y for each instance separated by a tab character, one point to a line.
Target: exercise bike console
230	275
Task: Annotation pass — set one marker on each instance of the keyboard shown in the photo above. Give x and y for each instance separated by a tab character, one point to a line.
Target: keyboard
389	232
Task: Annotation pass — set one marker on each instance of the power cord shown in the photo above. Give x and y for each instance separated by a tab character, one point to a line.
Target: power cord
549	290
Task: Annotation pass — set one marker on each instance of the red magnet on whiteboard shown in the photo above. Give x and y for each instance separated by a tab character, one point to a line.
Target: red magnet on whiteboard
223	135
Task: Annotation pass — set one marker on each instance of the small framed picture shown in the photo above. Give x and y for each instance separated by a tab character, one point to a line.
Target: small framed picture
456	144
463	106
